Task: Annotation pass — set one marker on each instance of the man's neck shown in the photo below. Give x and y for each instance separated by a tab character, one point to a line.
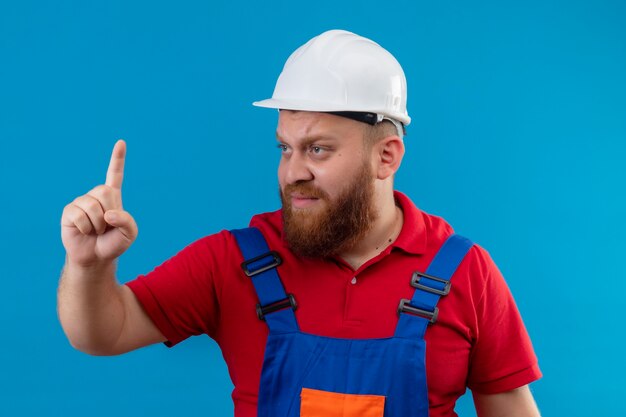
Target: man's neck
383	233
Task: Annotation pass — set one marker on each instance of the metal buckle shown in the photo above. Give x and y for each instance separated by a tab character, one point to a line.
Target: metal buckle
290	301
275	262
406	307
417	276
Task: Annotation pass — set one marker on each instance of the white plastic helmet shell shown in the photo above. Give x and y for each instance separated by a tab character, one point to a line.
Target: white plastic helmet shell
341	71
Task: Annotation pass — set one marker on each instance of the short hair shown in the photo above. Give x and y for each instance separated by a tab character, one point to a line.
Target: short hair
379	131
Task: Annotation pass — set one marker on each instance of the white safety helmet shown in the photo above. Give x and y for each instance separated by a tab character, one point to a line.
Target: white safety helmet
343	73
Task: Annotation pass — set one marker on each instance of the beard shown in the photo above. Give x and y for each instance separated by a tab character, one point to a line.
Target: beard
335	227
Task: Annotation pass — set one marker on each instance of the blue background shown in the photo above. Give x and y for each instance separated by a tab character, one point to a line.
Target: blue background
518	140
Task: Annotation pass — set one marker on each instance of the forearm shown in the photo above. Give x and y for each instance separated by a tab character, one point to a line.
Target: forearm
515	403
91	307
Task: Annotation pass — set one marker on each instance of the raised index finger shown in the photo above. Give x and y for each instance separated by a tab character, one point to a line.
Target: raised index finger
115	173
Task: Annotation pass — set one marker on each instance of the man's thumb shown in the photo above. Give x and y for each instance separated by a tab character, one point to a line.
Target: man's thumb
123	221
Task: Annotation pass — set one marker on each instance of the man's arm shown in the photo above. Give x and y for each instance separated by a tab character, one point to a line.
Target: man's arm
98	315
101	317
515	403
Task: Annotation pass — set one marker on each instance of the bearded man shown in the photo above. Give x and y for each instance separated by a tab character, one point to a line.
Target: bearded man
325	307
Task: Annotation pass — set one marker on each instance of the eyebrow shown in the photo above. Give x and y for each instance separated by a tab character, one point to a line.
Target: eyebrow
311	139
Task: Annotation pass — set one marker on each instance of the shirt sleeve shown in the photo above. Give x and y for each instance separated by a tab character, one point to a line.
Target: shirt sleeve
180	294
502	357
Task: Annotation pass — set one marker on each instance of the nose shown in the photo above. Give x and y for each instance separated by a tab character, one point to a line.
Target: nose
295	169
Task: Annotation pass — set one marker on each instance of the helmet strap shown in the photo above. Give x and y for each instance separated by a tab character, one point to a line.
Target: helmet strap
365	117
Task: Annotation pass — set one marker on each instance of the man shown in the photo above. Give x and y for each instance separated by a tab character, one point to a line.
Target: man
327	311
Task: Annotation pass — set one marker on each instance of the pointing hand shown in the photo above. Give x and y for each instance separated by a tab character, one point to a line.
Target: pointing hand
94	227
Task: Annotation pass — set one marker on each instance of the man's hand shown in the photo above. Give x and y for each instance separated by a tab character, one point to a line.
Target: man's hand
98	315
95	228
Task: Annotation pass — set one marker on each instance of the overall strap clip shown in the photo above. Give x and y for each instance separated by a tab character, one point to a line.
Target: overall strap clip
431	285
275	306
419	283
406	307
290	301
271	260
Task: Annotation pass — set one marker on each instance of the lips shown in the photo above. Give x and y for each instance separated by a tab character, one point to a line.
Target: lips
302	195
302	200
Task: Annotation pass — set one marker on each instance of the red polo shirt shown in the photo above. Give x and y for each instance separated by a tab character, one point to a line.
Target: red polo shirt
479	339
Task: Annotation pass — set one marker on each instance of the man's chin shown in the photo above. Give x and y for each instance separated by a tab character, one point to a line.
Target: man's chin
305	219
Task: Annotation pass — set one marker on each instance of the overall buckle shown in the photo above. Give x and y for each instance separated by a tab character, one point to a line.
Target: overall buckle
417	276
406	307
290	301
275	261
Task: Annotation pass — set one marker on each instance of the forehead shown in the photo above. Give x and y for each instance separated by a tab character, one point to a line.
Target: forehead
300	125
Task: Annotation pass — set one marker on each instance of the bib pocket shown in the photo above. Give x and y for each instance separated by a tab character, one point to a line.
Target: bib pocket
317	403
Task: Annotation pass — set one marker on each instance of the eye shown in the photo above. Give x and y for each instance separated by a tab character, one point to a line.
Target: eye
316	150
282	147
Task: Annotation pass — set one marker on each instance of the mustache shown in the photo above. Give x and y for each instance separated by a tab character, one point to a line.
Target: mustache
306	189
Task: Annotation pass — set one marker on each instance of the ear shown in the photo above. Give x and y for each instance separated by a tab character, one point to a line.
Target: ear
388	154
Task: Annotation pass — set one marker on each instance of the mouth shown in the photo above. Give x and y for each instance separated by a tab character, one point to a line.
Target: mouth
300	201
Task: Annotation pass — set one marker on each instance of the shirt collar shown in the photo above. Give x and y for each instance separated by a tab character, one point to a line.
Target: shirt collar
412	238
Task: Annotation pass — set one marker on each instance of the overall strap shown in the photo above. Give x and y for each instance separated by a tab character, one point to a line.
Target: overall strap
275	306
416	314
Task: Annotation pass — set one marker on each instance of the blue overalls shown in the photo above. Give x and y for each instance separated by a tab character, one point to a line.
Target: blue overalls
307	375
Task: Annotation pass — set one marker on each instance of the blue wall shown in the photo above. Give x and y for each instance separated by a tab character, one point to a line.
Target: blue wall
518	139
